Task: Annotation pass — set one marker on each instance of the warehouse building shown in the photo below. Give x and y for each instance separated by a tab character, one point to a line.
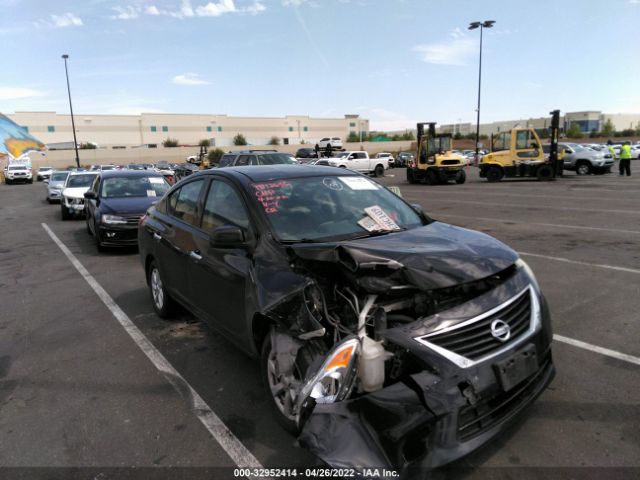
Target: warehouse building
588	122
151	129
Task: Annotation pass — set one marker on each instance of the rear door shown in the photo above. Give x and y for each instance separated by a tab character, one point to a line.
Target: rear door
219	278
175	237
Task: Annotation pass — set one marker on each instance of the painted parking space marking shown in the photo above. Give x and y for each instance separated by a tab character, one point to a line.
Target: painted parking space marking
553	225
228	441
595	348
578	262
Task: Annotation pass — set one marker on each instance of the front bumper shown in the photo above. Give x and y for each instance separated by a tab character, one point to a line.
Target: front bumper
74	206
118	235
20	178
442	413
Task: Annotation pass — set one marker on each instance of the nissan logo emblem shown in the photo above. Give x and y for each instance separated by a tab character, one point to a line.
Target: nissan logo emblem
500	330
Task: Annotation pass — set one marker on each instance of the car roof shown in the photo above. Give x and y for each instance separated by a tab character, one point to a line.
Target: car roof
86	172
278	172
130	173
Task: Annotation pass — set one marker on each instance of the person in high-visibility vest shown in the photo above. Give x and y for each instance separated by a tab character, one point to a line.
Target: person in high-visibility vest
625	159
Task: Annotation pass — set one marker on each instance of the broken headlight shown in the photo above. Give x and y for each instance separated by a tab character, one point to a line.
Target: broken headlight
334	379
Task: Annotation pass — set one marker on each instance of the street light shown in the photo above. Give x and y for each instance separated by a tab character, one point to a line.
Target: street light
73	125
473	26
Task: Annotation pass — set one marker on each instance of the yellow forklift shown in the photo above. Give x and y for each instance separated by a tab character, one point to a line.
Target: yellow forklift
519	153
435	162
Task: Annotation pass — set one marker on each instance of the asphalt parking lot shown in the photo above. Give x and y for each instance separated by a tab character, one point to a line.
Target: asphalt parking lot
77	391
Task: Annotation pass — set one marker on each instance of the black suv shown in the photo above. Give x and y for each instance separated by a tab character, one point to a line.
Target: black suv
385	338
256	157
306	153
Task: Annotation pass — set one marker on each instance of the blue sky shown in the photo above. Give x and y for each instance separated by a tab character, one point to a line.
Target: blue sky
393	61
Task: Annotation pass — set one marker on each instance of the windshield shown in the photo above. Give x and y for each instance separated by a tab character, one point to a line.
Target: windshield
59	176
45	168
104	168
276	159
18	167
331	208
576	147
77	181
118	187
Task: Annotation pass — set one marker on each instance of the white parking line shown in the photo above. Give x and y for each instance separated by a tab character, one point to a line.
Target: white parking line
535	207
601	350
227	440
578	262
554	225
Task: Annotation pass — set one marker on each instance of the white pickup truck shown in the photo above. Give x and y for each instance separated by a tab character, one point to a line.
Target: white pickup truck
360	162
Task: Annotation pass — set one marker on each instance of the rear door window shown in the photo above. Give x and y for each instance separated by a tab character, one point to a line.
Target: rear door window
185	204
242	160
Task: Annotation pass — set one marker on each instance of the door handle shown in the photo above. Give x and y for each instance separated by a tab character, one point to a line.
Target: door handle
195	254
157	237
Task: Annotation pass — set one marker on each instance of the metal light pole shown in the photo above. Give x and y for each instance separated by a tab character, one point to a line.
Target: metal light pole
73	124
473	26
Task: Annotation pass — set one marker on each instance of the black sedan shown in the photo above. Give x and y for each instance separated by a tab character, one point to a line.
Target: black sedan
385	338
116	201
306	153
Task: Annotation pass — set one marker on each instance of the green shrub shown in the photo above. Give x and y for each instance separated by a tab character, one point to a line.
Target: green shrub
239	139
215	155
274	141
170	142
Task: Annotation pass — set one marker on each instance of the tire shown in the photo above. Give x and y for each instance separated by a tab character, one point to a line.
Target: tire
461	177
431	178
306	356
494	174
31	181
88	227
7	181
583	168
163	304
64	212
48	200
410	177
379	171
544	173
96	238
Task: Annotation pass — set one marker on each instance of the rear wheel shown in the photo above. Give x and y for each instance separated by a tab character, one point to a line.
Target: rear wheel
583	168
379	171
163	303
461	177
494	174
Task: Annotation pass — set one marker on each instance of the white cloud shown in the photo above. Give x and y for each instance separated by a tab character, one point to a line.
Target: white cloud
16	93
452	52
255	9
151	10
634	2
189	79
216	9
126	13
65	20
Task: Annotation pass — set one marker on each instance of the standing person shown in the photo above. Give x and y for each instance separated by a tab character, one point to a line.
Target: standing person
625	159
317	150
328	151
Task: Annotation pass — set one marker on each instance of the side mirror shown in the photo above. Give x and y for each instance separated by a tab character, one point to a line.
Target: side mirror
418	208
90	195
227	236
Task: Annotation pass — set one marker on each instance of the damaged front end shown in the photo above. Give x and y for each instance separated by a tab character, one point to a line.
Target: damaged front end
410	360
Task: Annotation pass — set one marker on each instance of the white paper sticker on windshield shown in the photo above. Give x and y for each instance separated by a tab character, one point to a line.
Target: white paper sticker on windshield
151	193
358	183
381	218
369	224
156	180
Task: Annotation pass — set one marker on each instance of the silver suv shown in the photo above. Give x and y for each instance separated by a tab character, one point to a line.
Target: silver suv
583	160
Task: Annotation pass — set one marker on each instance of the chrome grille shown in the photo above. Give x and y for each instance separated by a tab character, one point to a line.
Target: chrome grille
473	340
132	219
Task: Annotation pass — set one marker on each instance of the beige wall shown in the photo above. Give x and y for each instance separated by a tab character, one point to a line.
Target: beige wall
65	158
188	129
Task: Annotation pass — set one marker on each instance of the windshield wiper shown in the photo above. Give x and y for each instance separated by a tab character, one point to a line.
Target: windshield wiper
376	233
301	240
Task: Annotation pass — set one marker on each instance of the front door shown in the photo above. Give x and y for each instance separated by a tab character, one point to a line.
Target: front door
220	279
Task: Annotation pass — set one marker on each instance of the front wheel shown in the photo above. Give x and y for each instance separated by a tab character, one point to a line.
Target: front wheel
64	212
379	171
494	174
282	386
431	177
544	173
461	177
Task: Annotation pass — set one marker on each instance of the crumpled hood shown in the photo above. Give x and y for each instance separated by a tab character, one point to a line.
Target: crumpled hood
128	205
437	255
